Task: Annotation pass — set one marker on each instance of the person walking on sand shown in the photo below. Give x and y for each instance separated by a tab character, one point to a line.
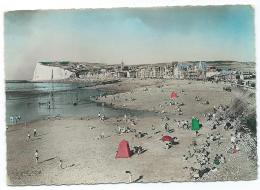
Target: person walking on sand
28	136
60	164
36	155
34	132
129	175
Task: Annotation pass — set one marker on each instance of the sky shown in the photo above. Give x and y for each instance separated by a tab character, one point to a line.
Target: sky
132	35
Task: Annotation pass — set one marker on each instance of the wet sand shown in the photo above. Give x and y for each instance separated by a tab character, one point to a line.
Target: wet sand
89	160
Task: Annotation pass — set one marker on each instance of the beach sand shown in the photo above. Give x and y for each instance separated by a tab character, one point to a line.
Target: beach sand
89	160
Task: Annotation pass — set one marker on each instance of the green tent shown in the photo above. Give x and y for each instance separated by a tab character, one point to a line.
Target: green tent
195	124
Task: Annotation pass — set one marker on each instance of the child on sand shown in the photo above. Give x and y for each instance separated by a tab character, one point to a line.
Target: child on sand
36	155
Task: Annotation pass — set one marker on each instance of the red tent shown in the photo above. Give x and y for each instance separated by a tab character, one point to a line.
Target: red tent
123	150
166	138
173	95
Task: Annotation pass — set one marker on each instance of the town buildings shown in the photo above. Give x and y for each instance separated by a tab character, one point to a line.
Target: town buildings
191	70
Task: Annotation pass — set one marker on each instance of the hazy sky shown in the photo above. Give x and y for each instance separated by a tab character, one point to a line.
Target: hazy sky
136	36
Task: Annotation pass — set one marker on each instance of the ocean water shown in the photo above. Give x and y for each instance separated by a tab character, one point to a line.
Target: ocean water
31	102
42	87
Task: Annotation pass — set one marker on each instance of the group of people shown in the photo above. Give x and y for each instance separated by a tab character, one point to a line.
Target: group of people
14	119
101	117
179	110
216	137
36	157
140	134
169	144
36	154
202	153
219	159
125	130
221	117
197	98
138	150
183	124
29	135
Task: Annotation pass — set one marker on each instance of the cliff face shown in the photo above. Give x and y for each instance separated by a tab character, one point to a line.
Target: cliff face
44	72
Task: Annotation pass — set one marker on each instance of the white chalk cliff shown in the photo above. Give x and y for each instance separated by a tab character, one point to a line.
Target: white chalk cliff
44	72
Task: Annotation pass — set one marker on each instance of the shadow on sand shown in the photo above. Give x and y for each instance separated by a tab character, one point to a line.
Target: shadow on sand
36	139
48	159
138	179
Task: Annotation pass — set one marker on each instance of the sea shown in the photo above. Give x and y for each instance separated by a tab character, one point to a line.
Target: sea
33	101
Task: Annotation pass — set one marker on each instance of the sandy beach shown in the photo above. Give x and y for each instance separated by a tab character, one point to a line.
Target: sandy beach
88	159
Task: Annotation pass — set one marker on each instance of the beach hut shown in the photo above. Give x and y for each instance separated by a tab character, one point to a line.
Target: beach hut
195	124
166	138
173	95
123	150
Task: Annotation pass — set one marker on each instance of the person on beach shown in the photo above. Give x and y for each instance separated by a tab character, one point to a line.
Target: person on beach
216	160
16	118
214	109
187	124
222	159
99	115
49	105
235	149
11	119
34	132
211	138
233	139
238	136
167	146
36	155
178	124
153	128
60	164
129	175
102	135
28	136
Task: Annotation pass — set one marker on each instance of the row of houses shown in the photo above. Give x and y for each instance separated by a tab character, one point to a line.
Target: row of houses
174	70
199	70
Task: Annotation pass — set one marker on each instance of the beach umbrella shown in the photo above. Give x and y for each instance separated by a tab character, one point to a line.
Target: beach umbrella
123	150
195	124
166	138
173	95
